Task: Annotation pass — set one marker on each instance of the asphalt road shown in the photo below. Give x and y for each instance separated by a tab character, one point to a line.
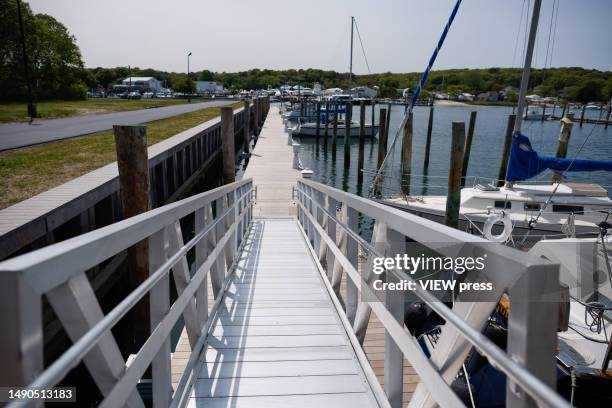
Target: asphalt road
14	135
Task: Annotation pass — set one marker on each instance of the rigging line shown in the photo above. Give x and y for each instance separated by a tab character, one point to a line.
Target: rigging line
552	50
550	26
365	57
518	33
417	92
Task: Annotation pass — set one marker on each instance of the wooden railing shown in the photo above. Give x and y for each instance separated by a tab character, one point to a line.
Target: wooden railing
221	218
330	219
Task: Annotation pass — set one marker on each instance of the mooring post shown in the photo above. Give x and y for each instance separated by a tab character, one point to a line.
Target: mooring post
373	113
388	123
501	177
326	132
382	150
563	111
543	112
247	136
407	156
360	157
564	137
428	140
468	147
256	117
552	115
133	164
582	114
335	131
347	134
227	144
608	115
453	196
318	132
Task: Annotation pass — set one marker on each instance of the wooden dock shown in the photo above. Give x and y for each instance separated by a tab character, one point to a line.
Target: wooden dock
271	169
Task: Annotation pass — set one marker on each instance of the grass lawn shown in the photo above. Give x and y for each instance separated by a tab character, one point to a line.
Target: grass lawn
31	170
18	112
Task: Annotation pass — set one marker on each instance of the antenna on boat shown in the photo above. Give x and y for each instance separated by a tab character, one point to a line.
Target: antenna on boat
351	60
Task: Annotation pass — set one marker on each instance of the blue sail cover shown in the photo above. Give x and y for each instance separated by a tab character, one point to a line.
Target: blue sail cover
525	162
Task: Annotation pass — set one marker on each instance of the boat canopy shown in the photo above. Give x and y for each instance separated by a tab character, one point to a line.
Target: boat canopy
525	162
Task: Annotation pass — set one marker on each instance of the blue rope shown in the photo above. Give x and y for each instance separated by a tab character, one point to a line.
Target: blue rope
425	74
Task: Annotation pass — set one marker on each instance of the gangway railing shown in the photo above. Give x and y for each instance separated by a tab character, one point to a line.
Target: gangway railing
221	219
331	220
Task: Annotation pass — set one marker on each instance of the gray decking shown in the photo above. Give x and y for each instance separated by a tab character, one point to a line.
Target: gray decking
279	341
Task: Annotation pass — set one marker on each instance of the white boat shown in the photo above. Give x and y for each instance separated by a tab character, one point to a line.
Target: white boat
584	336
535	114
310	129
576	208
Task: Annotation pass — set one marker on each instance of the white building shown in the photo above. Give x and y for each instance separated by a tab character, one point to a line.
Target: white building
364	92
143	84
209	87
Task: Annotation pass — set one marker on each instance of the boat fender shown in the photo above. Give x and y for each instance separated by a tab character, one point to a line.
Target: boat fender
493	219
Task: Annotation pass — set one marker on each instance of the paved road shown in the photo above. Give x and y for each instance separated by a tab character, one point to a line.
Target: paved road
13	135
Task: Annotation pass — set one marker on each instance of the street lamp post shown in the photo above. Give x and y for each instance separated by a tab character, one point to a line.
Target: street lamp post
31	104
189	94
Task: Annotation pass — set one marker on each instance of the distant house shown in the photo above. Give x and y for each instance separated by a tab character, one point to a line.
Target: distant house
209	87
364	92
465	97
142	84
491	96
507	91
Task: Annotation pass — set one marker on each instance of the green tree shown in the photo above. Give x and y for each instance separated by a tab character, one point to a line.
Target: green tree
184	85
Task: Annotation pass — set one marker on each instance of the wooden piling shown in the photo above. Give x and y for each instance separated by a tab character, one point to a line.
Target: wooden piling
247	134
347	134
326	132
382	137
501	177
388	122
318	131
564	137
133	164
373	112
428	140
227	144
582	114
543	113
453	196
256	117
608	115
563	111
335	131
360	157
407	156
468	147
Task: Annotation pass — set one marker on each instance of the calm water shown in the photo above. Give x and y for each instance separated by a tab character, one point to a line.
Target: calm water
485	155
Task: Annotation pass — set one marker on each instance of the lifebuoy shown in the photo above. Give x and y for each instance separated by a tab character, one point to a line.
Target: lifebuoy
493	219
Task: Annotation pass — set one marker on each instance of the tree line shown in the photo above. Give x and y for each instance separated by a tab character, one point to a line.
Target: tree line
58	72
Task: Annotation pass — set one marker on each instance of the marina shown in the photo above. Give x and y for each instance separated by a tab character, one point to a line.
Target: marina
324	239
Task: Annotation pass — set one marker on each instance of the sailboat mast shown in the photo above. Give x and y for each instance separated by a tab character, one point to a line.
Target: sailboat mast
351	59
527	66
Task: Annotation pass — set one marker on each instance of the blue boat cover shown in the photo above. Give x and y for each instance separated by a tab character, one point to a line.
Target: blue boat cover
525	162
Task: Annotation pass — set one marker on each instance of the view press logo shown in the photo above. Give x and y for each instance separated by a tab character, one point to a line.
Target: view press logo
422	263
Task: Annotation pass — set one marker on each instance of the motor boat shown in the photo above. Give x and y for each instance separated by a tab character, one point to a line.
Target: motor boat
310	129
533	113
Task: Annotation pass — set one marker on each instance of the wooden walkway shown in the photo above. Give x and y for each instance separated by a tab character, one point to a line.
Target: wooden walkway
271	168
279	340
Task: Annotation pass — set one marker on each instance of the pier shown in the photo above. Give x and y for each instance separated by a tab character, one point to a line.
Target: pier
273	286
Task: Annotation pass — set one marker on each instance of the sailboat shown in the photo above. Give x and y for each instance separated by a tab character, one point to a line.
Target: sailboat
309	128
524	212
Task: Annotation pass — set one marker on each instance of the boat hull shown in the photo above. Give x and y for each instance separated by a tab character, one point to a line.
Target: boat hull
310	130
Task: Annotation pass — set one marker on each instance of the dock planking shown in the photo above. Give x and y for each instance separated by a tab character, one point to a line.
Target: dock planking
279	356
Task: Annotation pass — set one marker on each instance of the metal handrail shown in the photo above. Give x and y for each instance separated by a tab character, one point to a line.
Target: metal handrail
520	375
122	235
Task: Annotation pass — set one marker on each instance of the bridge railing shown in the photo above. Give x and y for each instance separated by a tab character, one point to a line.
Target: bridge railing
221	218
331	219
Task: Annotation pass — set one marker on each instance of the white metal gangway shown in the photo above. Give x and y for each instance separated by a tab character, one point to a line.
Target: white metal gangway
277	333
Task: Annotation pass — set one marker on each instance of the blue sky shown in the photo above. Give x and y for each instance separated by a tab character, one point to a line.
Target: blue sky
398	36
